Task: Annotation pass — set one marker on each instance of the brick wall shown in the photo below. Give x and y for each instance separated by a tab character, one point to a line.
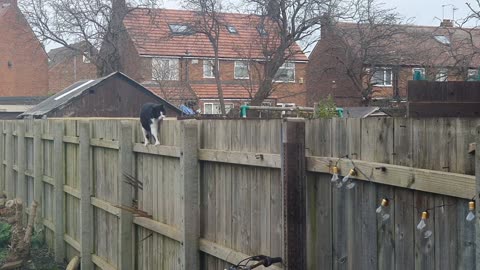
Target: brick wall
71	70
23	61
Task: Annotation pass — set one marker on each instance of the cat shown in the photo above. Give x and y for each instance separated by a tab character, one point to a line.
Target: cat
150	116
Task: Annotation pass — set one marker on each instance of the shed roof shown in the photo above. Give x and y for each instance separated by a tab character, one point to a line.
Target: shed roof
362	112
76	90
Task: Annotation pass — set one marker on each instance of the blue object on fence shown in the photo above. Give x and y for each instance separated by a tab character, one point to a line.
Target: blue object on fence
340	112
186	110
417	75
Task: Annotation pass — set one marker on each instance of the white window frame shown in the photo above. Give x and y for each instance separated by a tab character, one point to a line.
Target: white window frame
85	59
472	75
231	29
175	29
228	107
173	63
208	62
441	75
422	71
235	70
384	70
285	66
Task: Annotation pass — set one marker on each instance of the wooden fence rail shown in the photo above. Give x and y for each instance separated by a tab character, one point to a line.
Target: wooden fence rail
215	191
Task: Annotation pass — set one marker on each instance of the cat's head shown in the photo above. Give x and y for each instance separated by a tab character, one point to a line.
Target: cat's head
159	109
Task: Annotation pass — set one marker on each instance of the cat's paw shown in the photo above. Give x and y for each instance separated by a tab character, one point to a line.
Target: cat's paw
145	143
157	143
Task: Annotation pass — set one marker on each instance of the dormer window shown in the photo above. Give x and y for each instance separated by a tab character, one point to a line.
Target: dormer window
261	30
231	29
180	29
442	39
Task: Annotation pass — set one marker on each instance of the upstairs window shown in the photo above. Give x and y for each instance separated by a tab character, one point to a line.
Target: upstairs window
442	39
231	29
241	70
382	77
286	73
208	68
180	29
442	75
165	69
472	75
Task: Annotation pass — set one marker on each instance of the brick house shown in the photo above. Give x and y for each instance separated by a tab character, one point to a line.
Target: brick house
66	66
23	61
443	53
174	62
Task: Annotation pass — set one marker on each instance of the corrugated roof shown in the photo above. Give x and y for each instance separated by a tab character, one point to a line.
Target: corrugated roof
149	29
62	98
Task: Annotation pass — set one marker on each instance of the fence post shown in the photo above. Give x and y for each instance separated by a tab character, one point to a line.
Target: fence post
86	208
190	195
58	175
2	158
38	169
21	160
125	159
9	181
477	208
294	193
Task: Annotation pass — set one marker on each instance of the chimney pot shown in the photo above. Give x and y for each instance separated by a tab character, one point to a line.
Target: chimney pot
446	23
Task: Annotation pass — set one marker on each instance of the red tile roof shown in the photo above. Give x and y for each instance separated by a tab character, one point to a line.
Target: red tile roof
152	36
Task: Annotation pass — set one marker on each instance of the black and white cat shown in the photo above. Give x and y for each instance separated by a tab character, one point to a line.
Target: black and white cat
150	116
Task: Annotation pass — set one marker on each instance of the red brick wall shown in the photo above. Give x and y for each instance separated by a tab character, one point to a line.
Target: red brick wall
23	61
287	92
71	70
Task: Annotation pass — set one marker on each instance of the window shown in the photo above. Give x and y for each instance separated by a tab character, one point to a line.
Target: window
165	69
472	75
442	39
86	60
180	29
442	75
286	73
231	29
418	74
208	68
261	30
241	70
214	108
382	77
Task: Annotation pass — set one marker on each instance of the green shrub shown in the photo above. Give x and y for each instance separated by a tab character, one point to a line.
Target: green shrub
5	234
326	108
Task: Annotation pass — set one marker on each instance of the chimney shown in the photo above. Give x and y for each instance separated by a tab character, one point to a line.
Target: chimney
325	25
446	23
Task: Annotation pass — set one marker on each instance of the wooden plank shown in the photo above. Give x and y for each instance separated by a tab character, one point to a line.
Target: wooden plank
72	191
159	150
104	144
424	247
294	193
59	205
445	224
105	206
102	263
21	161
71	139
72	242
86	192
225	253
9	173
125	197
241	158
49	225
47	137
159	227
443	109
406	219
190	196
407	177
48	180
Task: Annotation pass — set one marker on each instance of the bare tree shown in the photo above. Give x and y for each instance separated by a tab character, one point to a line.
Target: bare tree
209	21
365	45
281	24
97	23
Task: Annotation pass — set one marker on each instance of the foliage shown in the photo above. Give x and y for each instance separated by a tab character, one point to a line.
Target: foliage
326	108
5	234
38	239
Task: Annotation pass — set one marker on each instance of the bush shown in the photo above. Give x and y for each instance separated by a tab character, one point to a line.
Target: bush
326	108
5	234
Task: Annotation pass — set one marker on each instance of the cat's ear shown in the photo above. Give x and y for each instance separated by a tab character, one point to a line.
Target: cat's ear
159	107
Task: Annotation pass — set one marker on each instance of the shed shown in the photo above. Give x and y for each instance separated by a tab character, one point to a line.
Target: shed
363	112
115	95
11	107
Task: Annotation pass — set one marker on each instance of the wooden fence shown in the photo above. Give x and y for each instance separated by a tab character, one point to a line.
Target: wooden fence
222	187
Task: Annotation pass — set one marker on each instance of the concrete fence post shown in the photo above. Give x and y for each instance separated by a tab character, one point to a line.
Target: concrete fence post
59	196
